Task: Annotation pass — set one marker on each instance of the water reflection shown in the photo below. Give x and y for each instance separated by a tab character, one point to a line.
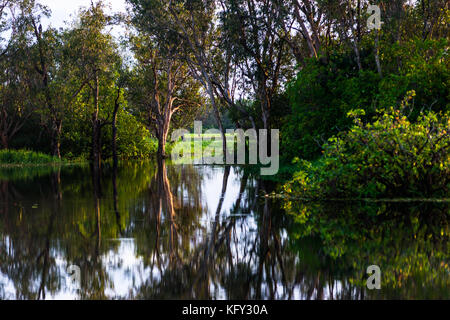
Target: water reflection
158	231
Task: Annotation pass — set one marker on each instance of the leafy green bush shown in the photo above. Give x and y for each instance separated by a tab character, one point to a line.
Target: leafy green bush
25	157
424	69
391	157
133	138
323	93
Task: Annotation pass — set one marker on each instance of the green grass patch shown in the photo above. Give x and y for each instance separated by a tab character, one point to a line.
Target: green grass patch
26	158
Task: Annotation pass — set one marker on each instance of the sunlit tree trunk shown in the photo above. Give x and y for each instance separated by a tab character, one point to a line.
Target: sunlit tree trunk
217	116
163	132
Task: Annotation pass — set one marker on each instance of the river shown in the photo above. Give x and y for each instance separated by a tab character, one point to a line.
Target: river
160	231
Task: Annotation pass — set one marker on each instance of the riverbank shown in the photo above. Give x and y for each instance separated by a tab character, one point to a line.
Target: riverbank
26	158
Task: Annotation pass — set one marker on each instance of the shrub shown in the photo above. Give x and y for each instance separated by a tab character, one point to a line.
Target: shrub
390	157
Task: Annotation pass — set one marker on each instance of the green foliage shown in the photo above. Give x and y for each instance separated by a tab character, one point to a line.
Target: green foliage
320	97
424	69
323	93
133	138
391	157
25	157
48	87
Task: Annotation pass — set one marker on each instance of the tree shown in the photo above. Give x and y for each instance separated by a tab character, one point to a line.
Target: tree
59	85
191	26
17	82
161	86
16	91
96	60
7	7
260	53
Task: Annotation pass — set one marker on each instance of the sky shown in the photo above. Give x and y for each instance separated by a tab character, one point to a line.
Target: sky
65	10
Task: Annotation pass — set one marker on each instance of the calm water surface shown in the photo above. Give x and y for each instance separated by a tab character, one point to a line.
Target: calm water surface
158	231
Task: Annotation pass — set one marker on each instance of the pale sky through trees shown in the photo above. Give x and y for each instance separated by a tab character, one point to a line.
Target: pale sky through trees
63	10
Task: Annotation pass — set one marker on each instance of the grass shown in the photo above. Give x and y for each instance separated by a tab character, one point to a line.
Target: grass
26	158
215	143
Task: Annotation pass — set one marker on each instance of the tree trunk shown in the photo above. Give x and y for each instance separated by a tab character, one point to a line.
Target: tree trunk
265	110
163	132
114	132
96	128
206	81
377	54
357	54
265	102
305	31
217	116
96	156
56	138
161	144
314	28
5	141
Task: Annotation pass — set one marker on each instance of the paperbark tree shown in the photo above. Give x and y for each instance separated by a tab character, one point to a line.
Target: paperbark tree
247	29
191	26
96	59
162	85
58	86
17	84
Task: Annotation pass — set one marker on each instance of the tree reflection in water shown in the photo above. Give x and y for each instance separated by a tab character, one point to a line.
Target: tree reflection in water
154	230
